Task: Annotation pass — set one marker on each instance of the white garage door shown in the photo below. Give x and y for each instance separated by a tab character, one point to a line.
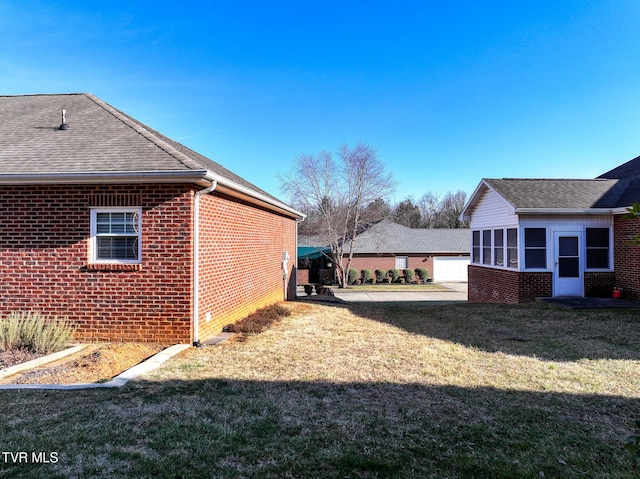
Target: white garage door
450	268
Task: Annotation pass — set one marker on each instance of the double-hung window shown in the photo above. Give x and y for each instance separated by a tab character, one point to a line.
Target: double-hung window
535	248
512	248
486	246
498	247
402	262
116	235
475	247
598	248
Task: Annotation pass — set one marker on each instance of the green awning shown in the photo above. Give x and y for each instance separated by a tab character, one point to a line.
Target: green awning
313	252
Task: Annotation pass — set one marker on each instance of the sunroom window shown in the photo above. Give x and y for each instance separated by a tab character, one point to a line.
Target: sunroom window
535	248
598	248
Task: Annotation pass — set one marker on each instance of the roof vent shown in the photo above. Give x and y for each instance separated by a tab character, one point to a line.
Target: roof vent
64	125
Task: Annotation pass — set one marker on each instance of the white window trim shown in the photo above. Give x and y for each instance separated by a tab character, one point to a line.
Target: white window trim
405	259
548	249
611	258
93	250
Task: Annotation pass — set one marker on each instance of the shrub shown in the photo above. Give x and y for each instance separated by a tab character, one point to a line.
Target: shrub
260	320
423	274
409	275
352	276
394	274
381	274
34	332
366	276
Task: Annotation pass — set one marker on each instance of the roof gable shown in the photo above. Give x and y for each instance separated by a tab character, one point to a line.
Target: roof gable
100	143
628	170
558	193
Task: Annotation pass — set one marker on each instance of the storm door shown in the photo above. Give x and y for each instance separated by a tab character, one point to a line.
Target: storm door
568	278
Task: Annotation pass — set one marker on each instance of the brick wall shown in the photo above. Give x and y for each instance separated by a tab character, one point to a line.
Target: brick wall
489	285
44	253
373	262
241	260
599	284
303	276
626	256
44	245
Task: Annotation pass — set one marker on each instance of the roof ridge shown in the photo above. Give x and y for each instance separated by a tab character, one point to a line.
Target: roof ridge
146	132
551	179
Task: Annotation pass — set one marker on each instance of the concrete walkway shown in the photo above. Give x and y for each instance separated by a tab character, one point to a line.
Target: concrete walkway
455	292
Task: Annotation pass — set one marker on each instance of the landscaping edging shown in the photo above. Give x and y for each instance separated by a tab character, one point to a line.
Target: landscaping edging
150	364
34	363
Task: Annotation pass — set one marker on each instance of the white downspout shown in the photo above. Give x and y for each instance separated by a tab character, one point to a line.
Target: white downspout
295	263
196	260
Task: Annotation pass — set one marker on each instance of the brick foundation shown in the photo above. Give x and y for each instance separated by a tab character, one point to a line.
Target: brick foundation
489	285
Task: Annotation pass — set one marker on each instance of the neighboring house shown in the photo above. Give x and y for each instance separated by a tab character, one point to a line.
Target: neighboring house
386	245
554	237
314	260
129	234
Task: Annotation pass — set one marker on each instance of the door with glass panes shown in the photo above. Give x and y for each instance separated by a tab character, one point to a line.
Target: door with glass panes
568	277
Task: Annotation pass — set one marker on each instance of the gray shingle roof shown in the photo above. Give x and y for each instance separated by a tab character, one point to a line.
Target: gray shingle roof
100	138
615	189
389	237
560	193
630	169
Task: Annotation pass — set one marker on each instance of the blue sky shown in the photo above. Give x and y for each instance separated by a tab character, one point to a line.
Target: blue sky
447	92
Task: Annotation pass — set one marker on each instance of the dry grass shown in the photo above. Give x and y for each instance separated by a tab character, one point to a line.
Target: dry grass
371	391
543	350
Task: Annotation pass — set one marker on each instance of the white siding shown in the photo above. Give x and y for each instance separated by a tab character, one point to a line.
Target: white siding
491	211
565	222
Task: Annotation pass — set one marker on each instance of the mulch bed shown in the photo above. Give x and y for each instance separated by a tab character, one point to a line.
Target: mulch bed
95	363
11	358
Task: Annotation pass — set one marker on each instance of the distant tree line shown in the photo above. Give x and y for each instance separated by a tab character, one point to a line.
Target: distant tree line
430	211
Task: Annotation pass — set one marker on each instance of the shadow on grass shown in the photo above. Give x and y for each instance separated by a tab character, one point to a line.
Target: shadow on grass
231	429
533	329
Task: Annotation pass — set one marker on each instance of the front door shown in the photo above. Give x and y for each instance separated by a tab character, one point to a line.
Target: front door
568	279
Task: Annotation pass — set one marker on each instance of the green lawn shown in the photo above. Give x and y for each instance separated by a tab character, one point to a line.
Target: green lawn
368	391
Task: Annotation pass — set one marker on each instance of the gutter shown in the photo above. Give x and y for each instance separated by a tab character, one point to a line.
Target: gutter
196	261
564	211
231	188
199	177
107	177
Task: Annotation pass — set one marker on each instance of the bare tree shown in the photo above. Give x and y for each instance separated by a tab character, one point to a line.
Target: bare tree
442	212
429	206
452	205
338	189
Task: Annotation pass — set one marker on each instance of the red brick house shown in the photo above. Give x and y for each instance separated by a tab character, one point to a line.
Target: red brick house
444	252
554	237
129	234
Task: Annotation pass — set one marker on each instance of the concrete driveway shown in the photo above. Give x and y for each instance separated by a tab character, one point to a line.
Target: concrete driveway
455	292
